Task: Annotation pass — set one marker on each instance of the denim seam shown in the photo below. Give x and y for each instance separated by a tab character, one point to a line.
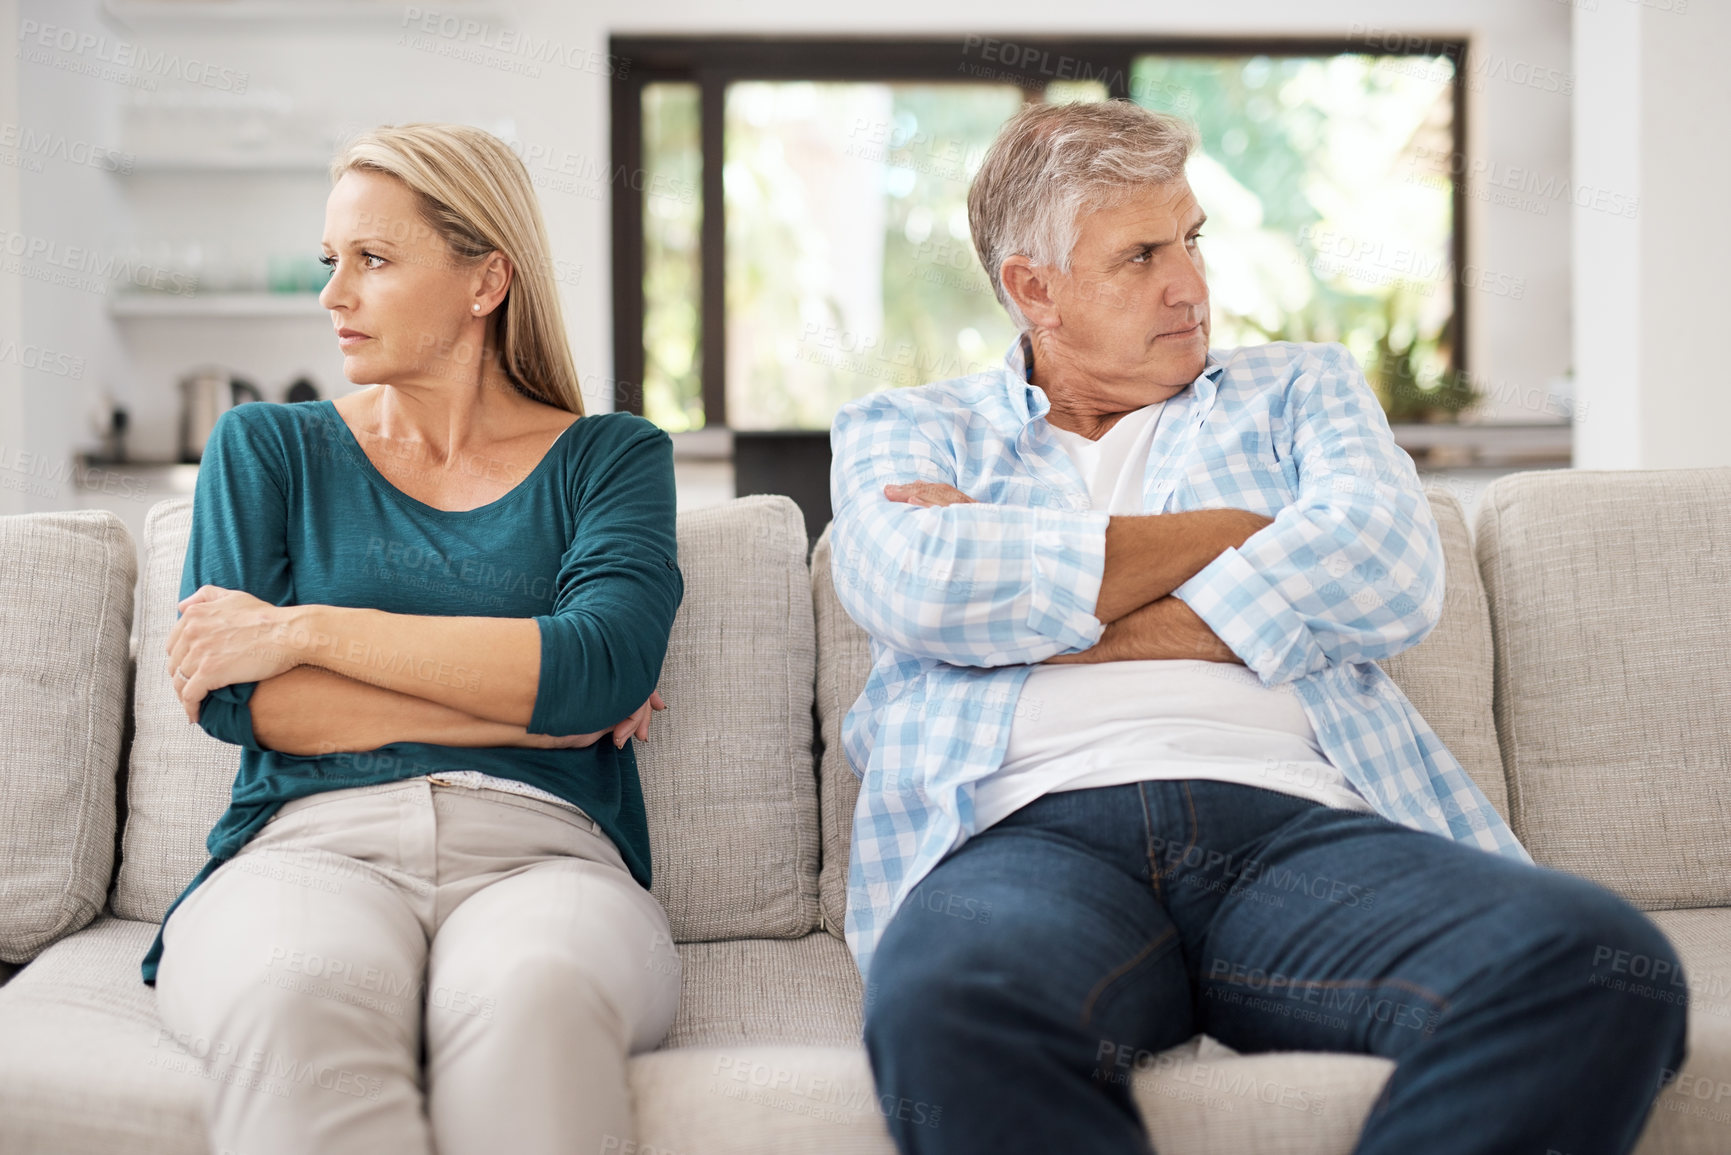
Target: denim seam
1441	1003
1148	842
1191	836
1120	971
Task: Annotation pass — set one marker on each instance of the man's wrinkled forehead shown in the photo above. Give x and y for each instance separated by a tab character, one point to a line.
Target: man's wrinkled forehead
1169	208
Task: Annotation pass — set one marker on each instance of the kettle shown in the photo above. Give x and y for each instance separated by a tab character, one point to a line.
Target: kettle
205	394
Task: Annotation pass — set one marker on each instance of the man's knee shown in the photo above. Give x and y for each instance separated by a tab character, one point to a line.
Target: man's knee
1607	942
1616	957
928	977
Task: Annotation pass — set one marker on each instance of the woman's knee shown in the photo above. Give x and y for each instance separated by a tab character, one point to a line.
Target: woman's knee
609	957
553	979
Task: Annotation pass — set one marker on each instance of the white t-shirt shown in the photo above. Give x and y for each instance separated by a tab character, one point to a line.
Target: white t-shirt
1108	723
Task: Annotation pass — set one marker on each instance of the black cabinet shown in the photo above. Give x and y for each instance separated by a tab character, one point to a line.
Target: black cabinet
790	461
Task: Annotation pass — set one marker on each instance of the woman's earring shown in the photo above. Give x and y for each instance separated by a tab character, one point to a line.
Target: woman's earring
476	307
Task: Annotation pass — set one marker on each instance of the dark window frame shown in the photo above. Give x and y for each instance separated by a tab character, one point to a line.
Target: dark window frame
713	62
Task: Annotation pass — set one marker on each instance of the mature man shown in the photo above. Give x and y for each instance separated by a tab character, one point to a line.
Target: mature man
1130	772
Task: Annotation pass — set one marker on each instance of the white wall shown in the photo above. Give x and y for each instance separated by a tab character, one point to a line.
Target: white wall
373	71
68	211
1517	348
1652	291
1607	247
11	321
1686	303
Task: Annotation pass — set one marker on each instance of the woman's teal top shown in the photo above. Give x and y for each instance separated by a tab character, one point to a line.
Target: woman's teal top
289	508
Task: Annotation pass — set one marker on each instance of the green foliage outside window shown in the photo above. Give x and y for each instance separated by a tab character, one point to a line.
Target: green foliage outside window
850	268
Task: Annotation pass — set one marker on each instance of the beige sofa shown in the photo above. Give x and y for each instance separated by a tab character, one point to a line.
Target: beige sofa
1581	672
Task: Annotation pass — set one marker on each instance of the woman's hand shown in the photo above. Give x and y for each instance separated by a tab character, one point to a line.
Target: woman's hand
225	637
637	723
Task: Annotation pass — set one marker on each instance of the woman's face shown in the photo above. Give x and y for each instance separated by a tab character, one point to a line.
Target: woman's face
402	307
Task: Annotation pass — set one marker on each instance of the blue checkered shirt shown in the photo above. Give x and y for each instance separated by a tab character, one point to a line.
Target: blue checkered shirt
960	600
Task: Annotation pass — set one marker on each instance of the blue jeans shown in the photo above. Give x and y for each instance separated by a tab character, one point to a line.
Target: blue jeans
1049	956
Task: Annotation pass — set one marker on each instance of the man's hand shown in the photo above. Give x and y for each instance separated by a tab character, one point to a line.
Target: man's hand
1147	557
1164	628
927	494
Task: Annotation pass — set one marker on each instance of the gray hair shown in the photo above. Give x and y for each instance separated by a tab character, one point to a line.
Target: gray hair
1053	162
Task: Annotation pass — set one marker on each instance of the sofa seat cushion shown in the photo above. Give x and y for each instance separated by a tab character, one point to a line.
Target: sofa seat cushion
1613	648
1693	1113
727	773
1448	677
65	613
757	990
85	1067
761	1099
1198	1099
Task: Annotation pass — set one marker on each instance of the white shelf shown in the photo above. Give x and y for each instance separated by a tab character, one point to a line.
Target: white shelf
1448	444
301	305
273	15
309	165
708	444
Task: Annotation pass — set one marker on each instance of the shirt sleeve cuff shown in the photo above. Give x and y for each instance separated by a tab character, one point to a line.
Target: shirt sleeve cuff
226	716
1251	617
1069	559
549	714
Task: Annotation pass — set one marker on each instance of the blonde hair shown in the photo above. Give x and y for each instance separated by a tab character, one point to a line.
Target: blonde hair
475	194
1053	162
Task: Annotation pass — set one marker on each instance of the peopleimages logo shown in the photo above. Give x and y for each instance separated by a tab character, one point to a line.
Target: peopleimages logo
1513	184
508	42
87	47
1477	68
43	476
41	359
28	143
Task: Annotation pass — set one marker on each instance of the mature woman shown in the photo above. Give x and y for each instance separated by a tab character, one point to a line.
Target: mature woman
433	613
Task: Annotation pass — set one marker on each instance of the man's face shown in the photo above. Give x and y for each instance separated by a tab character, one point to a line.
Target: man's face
1133	311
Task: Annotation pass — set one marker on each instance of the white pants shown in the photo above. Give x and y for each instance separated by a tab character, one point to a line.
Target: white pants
500	940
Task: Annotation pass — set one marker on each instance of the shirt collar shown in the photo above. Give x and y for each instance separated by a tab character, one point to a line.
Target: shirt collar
1028	401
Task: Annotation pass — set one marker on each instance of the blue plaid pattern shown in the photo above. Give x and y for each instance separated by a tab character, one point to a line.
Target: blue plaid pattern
960	600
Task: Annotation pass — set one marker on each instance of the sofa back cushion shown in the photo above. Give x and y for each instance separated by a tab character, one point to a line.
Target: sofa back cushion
1451	675
844	660
66	613
1447	676
1608	594
178	777
727	772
